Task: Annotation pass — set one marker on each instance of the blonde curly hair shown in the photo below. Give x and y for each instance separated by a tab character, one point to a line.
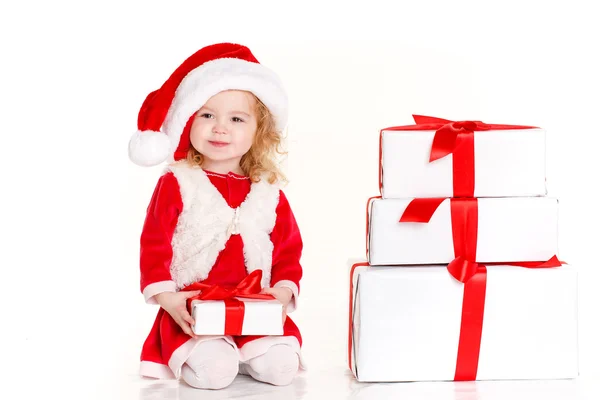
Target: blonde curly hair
260	161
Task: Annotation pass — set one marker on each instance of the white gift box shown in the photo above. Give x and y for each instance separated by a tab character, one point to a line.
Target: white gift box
509	230
508	163
261	317
406	324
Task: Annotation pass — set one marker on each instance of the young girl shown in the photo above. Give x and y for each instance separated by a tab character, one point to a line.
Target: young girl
216	215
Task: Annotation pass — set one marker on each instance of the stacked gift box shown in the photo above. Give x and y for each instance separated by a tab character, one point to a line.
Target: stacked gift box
462	279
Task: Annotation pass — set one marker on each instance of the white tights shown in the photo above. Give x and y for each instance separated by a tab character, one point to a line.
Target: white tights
214	364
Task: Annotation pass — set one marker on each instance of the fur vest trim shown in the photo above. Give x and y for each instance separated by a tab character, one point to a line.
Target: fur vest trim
207	222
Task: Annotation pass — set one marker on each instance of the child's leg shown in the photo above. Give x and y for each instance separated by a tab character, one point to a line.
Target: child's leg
278	366
213	364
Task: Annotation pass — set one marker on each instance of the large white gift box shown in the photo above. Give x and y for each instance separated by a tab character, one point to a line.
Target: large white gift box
406	324
508	230
260	317
507	163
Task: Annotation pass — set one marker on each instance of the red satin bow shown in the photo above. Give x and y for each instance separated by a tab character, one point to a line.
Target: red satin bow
447	131
457	138
249	288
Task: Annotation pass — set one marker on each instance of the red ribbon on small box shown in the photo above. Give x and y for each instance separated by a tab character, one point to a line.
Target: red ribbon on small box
451	137
249	288
463	268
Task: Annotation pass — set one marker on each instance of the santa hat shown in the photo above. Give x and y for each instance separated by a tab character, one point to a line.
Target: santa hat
165	112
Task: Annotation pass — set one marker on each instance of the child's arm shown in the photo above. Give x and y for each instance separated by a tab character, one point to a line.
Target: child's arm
155	242
286	270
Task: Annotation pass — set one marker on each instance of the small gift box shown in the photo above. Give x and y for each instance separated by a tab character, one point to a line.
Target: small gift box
237	317
241	310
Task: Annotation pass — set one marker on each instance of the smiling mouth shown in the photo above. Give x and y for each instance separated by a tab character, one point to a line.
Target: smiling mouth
218	144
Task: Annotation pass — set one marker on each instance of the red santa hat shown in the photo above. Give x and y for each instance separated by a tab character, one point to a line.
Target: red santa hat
165	112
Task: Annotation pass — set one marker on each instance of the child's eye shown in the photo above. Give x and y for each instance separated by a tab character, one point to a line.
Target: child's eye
236	119
206	115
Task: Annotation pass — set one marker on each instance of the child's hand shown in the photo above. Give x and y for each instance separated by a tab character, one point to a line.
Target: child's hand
283	294
175	305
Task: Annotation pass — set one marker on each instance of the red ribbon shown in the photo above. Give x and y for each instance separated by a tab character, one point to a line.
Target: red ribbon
451	137
249	288
465	269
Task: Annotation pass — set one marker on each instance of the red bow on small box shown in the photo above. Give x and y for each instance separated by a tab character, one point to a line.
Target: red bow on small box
249	288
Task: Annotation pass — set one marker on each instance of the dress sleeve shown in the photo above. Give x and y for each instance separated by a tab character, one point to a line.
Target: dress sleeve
156	252
286	270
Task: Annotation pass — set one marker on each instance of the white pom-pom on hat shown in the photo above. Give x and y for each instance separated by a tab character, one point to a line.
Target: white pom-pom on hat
149	148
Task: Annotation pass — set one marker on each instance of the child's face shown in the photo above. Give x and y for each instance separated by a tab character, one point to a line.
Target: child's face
223	129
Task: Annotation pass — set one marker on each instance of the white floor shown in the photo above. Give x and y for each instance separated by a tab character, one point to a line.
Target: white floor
326	382
336	383
323	382
97	365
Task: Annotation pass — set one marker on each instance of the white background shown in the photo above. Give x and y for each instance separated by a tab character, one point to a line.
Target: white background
73	76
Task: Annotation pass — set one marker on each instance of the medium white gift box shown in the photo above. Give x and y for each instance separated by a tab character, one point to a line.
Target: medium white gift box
516	229
261	317
507	163
406	321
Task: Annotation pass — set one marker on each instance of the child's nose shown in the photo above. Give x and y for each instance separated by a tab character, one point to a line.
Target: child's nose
220	127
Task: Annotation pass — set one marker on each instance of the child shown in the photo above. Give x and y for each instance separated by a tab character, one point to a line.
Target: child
216	215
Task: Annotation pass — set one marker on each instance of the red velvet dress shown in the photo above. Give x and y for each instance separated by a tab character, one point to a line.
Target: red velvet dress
167	346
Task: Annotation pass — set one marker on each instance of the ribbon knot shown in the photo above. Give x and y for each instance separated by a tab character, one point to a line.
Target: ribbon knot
462	269
444	141
469	126
249	287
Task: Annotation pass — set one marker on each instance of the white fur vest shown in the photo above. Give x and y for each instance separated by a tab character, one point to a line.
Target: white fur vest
206	223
